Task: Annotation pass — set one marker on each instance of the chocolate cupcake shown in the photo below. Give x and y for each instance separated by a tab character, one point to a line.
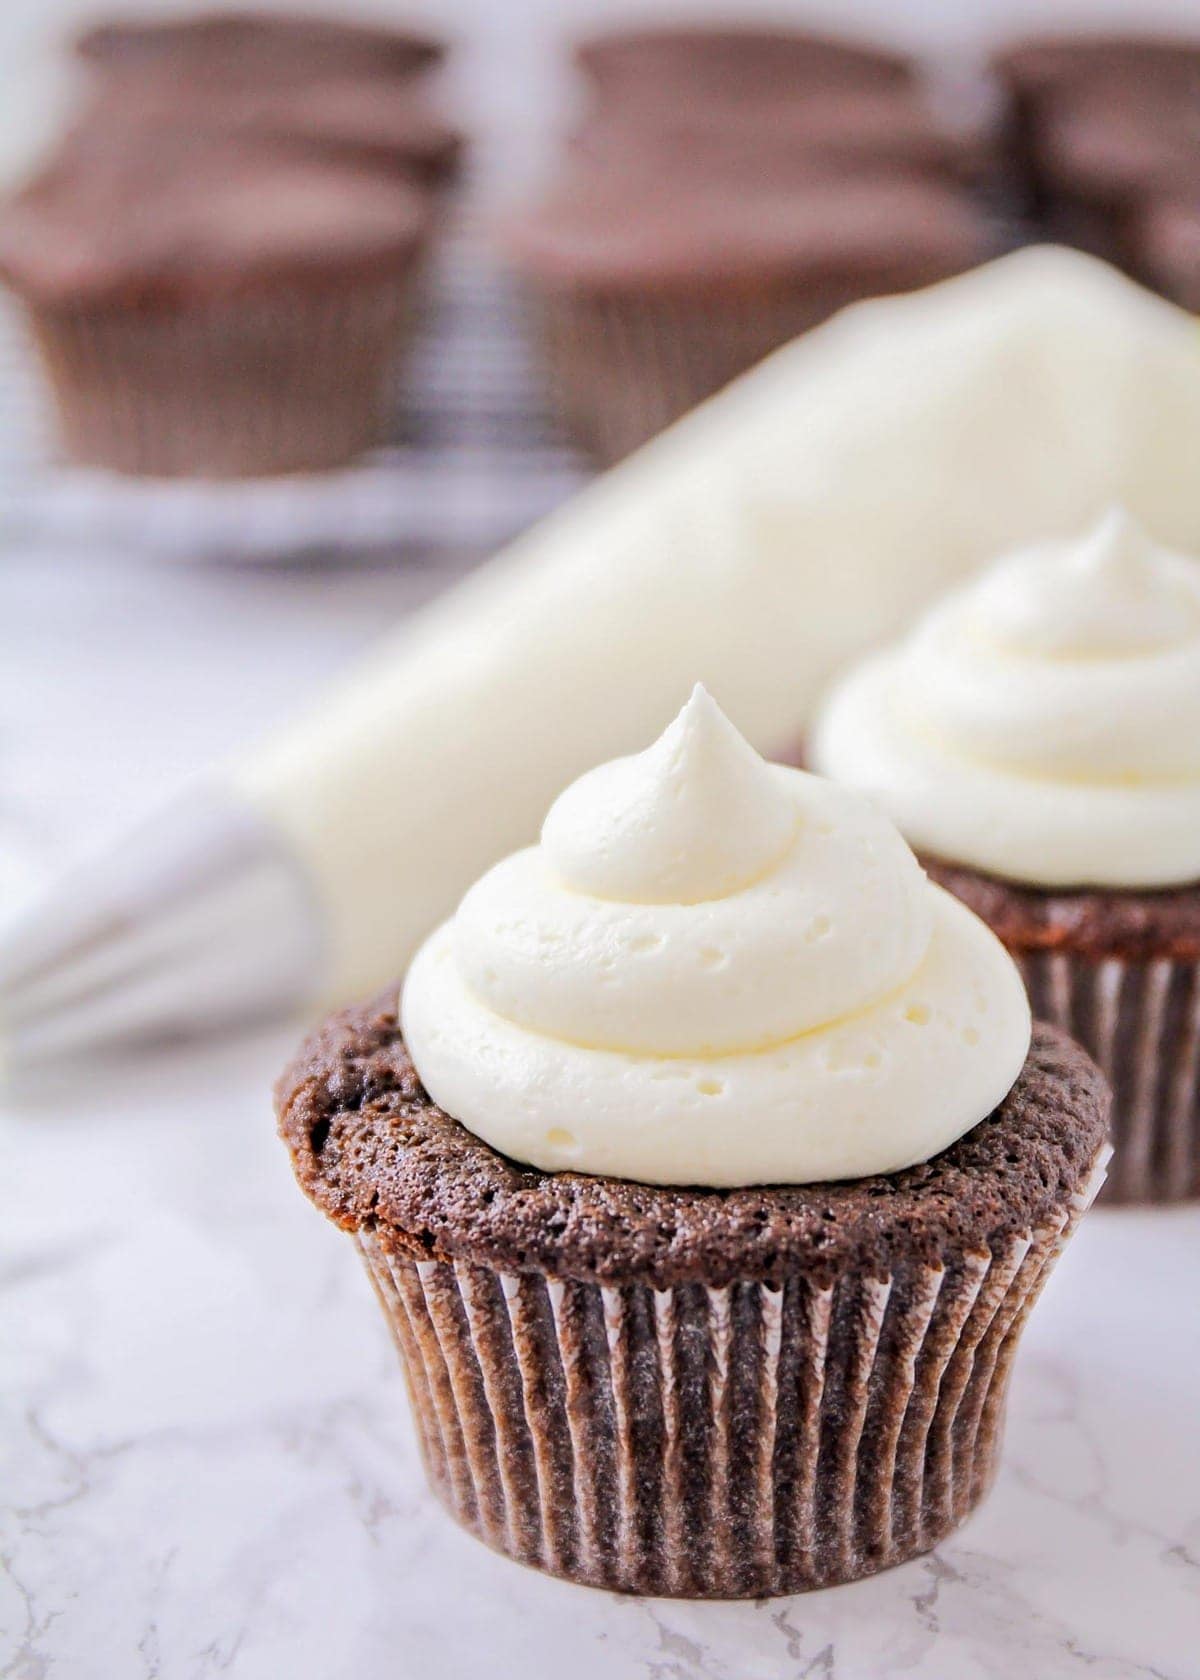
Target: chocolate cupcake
706	1176
1037	740
1080	109
1103	159
726	190
1037	73
214	310
652	299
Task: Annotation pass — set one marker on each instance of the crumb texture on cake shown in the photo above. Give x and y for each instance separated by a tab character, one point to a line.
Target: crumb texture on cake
1090	921
374	1152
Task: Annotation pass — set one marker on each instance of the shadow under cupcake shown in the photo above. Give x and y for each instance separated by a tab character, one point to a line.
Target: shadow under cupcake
706	1174
1037	740
243	316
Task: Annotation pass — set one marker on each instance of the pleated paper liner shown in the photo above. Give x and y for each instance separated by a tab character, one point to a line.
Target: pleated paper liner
715	1442
292	379
622	369
1140	1022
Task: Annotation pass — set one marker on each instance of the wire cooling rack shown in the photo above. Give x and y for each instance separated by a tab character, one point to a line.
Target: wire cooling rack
473	458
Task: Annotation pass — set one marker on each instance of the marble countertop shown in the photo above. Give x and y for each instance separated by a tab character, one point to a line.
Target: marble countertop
206	1464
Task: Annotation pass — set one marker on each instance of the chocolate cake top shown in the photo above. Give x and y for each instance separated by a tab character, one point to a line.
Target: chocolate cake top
371	1149
728	62
887	231
347	118
245	47
1046	66
886	131
152	223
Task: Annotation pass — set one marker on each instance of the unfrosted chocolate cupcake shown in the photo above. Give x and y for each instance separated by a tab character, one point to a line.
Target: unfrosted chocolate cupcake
653	298
706	1177
726	190
214	311
220	259
1099	126
1035	738
1102	159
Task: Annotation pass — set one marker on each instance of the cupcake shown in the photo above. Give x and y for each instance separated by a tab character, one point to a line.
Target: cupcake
1104	161
214	310
706	1170
726	190
1037	739
653	296
1062	93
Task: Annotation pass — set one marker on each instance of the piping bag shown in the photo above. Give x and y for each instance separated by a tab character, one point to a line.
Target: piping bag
792	521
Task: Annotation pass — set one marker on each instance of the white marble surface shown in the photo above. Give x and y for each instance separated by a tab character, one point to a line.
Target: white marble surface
206	1467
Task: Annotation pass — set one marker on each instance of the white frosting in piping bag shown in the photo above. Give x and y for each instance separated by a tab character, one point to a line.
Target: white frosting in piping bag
714	971
788	525
1043	722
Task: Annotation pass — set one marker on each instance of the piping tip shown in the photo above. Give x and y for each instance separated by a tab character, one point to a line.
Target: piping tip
199	918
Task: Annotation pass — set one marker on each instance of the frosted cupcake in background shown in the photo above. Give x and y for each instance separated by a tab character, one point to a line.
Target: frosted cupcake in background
706	1172
1037	740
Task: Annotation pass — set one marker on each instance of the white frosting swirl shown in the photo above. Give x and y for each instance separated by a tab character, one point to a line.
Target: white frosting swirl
714	971
1042	723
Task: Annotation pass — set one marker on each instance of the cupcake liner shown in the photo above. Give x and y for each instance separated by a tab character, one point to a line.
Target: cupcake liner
622	369
714	1442
1140	1022
290	379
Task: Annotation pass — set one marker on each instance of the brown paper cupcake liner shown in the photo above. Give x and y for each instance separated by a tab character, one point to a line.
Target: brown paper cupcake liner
620	370
714	1442
291	380
1140	1022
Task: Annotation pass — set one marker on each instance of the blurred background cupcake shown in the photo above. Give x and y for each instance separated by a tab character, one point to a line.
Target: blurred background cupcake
724	191
219	260
1103	148
1037	739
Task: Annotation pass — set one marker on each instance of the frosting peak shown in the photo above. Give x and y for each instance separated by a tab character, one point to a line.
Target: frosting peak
1112	593
655	829
1043	722
714	970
